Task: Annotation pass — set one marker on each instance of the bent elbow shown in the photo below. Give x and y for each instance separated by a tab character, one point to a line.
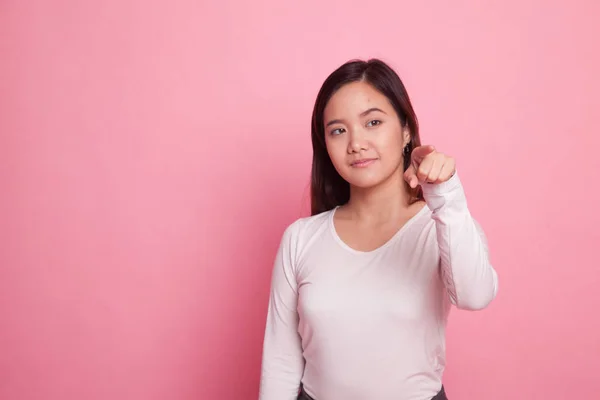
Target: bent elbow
476	304
477	300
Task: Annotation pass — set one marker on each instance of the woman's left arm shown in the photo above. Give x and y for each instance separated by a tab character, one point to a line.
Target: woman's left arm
470	279
468	275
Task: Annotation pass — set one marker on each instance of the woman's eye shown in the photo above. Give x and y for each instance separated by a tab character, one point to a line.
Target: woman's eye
337	131
374	122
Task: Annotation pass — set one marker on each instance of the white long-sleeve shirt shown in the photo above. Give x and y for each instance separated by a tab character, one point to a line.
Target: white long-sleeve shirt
355	325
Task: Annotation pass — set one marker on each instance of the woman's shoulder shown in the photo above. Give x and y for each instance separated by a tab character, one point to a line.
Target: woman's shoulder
304	232
308	226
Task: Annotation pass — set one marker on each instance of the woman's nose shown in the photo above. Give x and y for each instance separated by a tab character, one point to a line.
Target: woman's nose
357	142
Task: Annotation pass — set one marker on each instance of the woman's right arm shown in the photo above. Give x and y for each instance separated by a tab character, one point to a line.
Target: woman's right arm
282	362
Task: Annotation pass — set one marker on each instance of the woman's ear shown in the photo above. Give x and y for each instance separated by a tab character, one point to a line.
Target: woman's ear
405	136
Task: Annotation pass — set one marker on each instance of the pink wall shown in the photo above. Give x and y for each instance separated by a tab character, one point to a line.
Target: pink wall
152	153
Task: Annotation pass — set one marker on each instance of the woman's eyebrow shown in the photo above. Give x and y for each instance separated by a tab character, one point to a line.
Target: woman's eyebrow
362	114
370	110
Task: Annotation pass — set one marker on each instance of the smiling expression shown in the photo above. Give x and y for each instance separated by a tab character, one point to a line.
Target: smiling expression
364	135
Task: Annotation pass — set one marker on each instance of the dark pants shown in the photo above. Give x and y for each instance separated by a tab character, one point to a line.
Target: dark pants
440	396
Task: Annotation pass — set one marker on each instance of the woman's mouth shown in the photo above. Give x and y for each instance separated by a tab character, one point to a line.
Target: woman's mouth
365	162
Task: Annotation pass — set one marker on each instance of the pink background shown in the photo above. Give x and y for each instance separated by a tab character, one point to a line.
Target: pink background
153	152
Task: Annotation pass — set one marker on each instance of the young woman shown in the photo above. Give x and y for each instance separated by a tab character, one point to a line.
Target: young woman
361	290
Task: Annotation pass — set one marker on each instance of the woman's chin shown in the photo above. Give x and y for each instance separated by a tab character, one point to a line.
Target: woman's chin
369	181
365	183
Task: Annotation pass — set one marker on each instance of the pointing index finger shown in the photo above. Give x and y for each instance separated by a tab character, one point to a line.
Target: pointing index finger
419	153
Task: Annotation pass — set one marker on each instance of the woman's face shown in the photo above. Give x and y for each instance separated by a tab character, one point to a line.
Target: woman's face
363	135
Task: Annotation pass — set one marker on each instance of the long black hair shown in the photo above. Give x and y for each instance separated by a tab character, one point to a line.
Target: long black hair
328	188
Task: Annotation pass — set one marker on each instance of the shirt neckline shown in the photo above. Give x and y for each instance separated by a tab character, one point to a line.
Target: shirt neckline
399	232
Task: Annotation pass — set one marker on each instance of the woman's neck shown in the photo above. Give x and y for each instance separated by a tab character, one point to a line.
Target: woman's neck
388	200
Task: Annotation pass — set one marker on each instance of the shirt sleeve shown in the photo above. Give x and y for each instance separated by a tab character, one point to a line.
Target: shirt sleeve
469	278
282	361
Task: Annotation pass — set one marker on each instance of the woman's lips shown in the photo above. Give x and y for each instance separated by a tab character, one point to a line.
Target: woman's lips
362	163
